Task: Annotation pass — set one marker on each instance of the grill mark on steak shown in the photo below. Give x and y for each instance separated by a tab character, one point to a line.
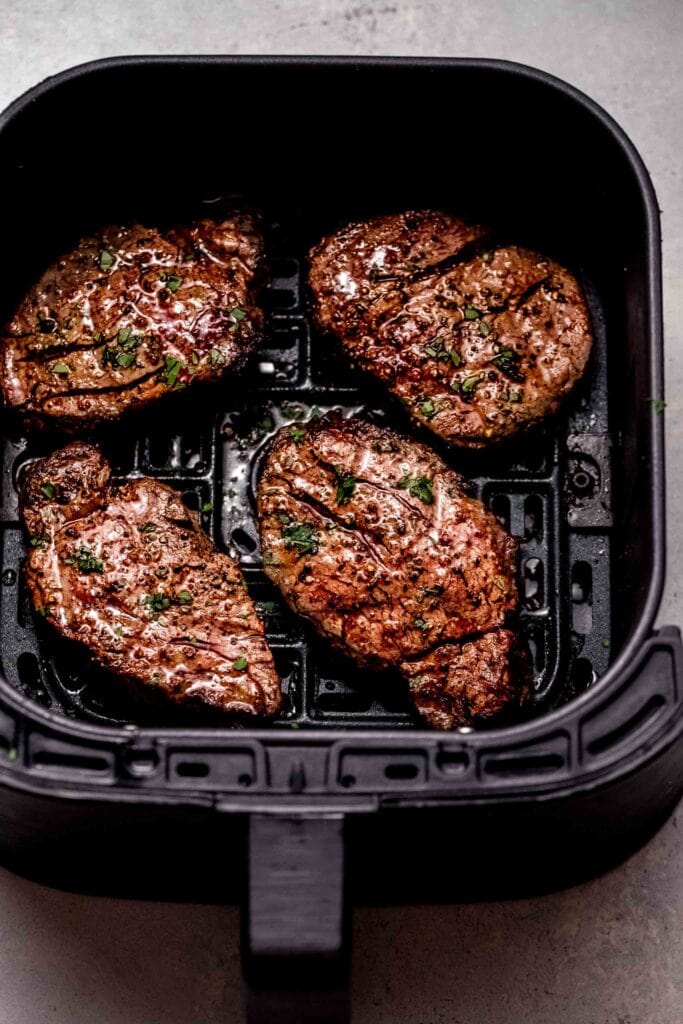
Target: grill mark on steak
481	311
182	296
444	580
128	573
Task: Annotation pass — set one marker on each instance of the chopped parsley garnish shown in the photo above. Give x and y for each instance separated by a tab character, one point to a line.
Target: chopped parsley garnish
172	368
266	424
85	561
46	325
658	404
61	369
184	597
468	386
292	412
172	281
419	487
157	603
428	408
267	607
484	328
217	357
39	542
106	259
240	664
514	396
147	527
507	361
48	490
122	354
437	350
421	623
435	591
346	485
301	536
207	507
297	434
471	312
236	315
414	683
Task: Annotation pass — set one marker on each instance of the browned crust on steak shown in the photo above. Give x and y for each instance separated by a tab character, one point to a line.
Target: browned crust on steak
478	344
400	567
129	574
129	317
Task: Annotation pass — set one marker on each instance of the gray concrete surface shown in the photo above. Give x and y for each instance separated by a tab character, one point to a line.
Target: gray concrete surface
609	952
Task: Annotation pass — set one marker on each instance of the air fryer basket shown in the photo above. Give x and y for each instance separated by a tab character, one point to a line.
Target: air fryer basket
347	768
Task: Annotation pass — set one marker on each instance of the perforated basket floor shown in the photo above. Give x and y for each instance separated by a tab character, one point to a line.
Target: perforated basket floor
552	491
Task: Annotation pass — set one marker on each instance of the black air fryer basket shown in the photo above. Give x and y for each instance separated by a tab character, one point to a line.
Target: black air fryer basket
346	796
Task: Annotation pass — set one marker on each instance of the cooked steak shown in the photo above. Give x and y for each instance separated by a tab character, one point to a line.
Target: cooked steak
129	317
373	538
479	343
128	573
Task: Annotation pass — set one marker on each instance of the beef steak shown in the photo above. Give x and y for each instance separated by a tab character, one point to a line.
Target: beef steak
128	573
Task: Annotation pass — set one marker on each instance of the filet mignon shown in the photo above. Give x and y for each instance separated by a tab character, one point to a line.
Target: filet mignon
130	317
129	574
373	539
479	341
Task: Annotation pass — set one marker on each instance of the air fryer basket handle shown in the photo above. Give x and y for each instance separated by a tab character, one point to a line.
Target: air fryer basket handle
295	936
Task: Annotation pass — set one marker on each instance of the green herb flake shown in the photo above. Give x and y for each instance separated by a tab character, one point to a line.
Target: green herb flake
265	607
468	386
484	328
419	487
172	281
61	369
236	315
172	368
156	603
456	358
514	396
12	754
421	623
266	424
507	361
292	412
207	507
346	485
106	259
658	404
301	536
428	408
184	597
606	643
148	527
217	357
85	561
416	682
471	312
48	490
39	542
240	664
297	434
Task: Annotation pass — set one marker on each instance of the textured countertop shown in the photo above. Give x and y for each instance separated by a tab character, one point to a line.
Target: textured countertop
609	952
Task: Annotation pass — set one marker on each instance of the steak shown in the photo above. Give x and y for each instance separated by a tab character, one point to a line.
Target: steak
373	539
132	316
129	574
479	341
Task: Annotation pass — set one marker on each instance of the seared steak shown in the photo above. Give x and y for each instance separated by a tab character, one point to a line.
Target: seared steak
131	316
128	573
372	538
479	343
